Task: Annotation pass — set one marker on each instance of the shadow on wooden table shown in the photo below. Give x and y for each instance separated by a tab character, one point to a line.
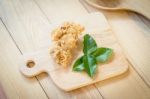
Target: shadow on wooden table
2	93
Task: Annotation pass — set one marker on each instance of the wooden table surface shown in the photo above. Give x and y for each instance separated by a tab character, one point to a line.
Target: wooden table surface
22	27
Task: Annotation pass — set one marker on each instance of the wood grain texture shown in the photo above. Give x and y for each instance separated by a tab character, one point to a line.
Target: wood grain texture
33	25
28	20
133	79
19	19
133	35
129	5
129	86
14	85
135	45
97	26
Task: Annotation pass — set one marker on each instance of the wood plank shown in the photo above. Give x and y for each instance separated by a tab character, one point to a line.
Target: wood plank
22	27
135	43
34	26
53	15
131	84
91	93
55	9
14	85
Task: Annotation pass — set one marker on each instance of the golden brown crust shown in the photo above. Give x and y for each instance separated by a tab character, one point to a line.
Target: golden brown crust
66	38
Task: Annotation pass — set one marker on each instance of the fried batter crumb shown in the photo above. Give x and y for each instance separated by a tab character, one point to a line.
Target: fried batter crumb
65	37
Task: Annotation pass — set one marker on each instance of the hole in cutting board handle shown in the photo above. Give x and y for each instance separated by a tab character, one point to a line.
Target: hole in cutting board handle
31	67
30	63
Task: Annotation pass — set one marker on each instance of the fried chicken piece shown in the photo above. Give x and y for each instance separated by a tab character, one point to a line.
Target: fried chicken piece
65	38
63	57
67	28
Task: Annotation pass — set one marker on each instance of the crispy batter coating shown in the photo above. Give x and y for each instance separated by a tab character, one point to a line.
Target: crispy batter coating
65	37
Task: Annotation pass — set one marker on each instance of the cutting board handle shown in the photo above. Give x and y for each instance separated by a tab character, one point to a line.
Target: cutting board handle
29	71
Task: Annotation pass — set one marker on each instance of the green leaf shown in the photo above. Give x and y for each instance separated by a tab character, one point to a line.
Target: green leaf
78	65
92	56
89	44
102	54
90	64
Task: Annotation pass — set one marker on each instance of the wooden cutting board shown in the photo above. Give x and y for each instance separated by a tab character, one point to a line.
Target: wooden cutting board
97	26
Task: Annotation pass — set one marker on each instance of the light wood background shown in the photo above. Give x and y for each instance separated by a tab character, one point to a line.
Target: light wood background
22	27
